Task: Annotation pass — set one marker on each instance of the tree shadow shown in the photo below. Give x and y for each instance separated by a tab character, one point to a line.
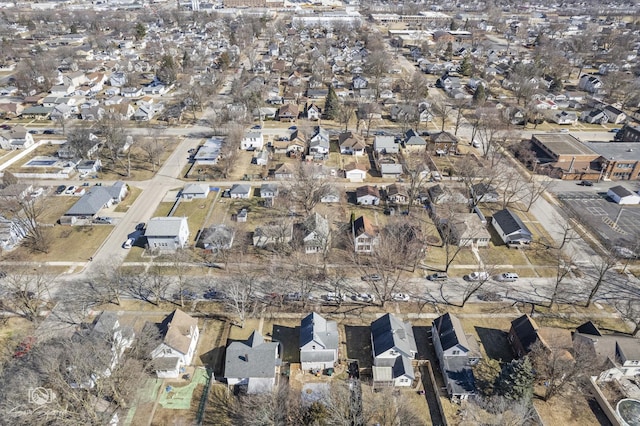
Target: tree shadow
289	337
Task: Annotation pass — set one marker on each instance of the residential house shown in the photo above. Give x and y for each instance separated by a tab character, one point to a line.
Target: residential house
628	133
391	170
17	138
319	341
484	193
359	82
564	117
355	172
594	116
440	194
86	167
283	171
448	83
11	234
273	235
209	152
614	115
510	228
288	112
145	112
525	332
456	353
590	83
443	143
621	195
368	195
317	236
314	112
167	233
216	238
413	141
365	235
180	334
385	145
253	364
394	347
195	190
131	92
397	194
252	140
319	142
331	196
464	230
351	144
268	190
240	190
97	198
261	158
618	355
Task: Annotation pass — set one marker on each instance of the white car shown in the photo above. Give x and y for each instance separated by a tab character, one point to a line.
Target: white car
400	297
70	190
334	297
364	297
508	277
478	276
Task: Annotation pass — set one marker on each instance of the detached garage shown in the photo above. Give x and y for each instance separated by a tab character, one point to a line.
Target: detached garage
622	195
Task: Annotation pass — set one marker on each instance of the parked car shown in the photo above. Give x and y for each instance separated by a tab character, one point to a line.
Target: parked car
364	297
70	190
436	176
614	130
478	276
438	276
293	297
107	220
476	144
586	183
508	277
186	295
140	226
334	297
128	244
400	297
371	277
60	189
49	132
212	293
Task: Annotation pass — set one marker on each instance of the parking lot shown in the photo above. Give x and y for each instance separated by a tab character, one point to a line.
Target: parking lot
612	222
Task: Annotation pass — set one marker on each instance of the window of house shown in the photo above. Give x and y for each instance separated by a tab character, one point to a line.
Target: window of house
313	347
456	352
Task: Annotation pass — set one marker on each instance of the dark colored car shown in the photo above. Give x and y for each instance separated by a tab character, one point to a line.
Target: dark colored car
586	183
49	132
60	189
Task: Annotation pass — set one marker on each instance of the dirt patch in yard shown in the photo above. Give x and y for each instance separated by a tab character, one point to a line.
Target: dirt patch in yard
573	408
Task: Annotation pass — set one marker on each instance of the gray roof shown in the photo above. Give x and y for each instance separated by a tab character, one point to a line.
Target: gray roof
382	142
253	358
240	189
316	223
268	188
510	222
459	375
626	151
163	226
315	328
216	237
450	331
195	188
621	191
91	203
389	332
394	168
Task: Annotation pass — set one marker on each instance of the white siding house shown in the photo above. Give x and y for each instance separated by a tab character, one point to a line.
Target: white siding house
180	334
318	342
167	233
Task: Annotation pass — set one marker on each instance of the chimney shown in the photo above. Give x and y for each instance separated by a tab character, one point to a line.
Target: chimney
246	357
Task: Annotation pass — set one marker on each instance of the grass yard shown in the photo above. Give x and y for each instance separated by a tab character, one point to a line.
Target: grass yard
141	168
124	205
358	340
56	206
218	402
68	243
574	408
287	332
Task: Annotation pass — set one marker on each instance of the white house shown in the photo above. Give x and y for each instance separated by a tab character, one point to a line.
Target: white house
252	140
240	191
365	235
355	172
394	347
316	234
167	233
318	342
456	353
253	364
368	195
511	229
11	233
621	195
385	145
180	334
195	190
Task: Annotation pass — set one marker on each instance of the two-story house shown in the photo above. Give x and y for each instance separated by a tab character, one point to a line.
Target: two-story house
180	334
252	140
456	353
316	238
253	364
394	347
365	235
167	233
319	341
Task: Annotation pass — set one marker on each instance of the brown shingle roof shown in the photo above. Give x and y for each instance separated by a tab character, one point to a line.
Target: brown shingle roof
177	329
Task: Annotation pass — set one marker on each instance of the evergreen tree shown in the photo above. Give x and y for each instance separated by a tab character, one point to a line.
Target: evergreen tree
141	31
556	85
167	72
486	373
479	96
448	53
516	380
331	104
465	66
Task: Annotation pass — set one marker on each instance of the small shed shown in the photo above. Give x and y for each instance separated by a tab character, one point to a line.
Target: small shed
621	195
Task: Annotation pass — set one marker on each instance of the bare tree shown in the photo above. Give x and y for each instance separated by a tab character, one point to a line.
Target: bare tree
498	411
563	265
153	146
307	188
416	171
442	109
345	112
26	292
629	308
240	292
601	267
26	213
